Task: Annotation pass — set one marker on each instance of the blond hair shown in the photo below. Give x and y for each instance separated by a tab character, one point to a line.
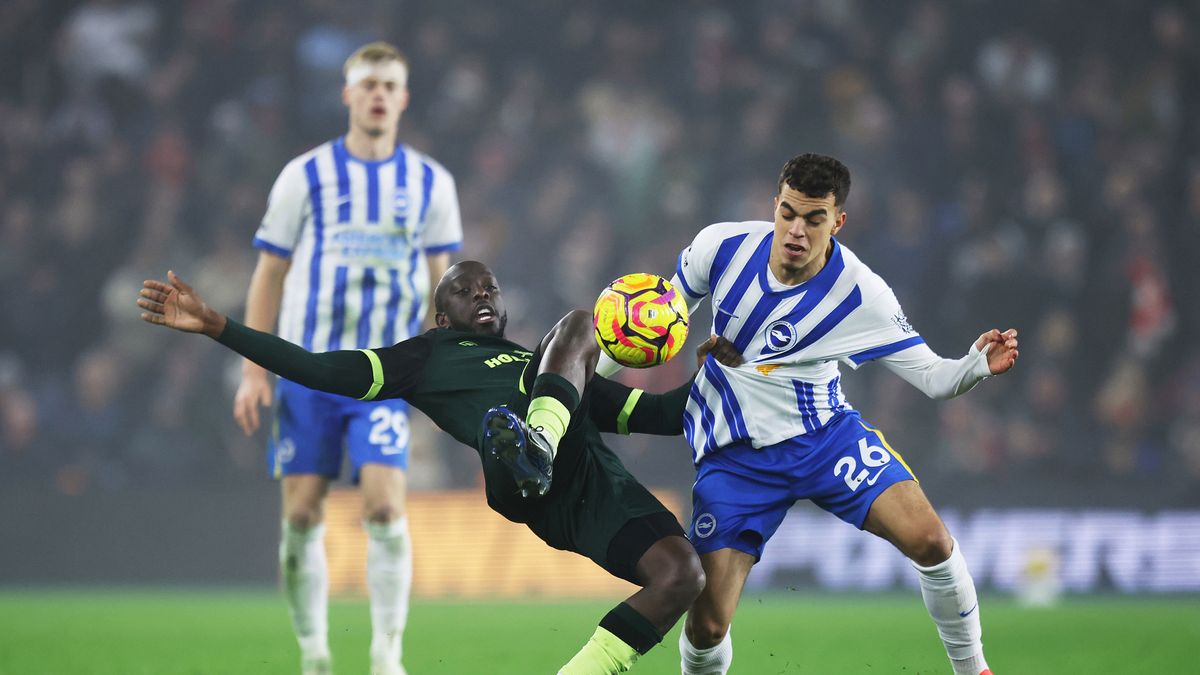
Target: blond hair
375	53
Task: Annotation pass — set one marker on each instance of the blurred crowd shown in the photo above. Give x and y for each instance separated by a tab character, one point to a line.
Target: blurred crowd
1037	169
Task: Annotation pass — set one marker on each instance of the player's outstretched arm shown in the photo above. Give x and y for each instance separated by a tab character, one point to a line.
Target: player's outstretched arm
177	305
994	353
618	408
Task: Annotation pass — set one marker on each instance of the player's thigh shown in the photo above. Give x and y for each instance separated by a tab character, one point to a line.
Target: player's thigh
650	548
377	432
725	572
306	435
587	511
304	499
384	489
904	516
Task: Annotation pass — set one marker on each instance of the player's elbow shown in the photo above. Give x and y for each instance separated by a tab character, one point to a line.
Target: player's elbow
939	392
951	392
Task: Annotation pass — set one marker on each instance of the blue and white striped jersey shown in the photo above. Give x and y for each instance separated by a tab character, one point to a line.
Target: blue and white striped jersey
792	337
357	233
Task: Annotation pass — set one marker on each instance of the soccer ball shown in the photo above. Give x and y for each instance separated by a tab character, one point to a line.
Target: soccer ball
640	320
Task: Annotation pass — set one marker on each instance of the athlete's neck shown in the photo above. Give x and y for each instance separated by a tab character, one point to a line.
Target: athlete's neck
365	146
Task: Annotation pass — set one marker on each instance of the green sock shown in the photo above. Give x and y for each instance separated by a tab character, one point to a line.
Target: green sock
551	402
603	654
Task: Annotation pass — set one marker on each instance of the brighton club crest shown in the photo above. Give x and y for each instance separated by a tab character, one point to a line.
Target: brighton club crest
780	335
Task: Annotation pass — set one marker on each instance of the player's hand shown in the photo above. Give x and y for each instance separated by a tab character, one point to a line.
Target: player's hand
253	392
177	305
1001	349
721	349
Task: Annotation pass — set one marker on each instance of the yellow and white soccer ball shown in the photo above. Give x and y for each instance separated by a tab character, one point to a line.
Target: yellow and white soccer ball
640	320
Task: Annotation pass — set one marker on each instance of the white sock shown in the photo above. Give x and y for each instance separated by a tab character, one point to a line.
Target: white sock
972	666
306	585
389	580
712	661
949	593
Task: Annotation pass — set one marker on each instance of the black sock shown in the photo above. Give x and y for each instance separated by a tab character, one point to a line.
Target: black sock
631	627
556	387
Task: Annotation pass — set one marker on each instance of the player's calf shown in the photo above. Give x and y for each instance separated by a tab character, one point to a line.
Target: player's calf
306	586
671	577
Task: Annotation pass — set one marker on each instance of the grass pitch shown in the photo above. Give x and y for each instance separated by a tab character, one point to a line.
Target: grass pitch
201	632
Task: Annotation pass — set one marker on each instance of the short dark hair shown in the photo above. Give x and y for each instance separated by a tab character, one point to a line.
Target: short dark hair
816	176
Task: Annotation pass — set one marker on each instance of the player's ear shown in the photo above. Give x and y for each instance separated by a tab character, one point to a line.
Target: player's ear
441	320
839	222
346	96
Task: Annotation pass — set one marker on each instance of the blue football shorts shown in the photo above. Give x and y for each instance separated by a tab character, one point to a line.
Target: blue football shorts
741	494
313	430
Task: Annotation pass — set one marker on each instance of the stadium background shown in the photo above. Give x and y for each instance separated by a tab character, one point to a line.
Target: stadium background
1035	167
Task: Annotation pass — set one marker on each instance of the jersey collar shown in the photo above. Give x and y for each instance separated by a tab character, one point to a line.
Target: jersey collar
820	282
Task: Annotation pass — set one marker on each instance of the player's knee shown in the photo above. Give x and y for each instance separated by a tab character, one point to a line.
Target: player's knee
303	519
682	581
931	547
679	583
577	327
577	320
690	579
382	513
706	632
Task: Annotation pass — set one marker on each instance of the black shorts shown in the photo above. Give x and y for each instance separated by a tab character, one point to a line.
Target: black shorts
602	512
634	539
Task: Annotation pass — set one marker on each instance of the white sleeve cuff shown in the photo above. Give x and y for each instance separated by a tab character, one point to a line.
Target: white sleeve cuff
979	364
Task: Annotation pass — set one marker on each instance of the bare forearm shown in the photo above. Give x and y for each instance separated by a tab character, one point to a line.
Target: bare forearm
265	295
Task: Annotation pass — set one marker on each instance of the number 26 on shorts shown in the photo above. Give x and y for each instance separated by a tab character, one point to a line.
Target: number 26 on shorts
874	458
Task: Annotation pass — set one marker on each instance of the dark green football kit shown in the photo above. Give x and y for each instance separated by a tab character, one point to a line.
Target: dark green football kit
594	506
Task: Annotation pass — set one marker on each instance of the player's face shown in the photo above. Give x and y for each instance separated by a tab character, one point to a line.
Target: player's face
376	96
804	226
471	301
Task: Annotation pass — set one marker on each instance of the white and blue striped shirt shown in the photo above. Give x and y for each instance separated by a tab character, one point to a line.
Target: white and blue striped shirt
357	233
791	337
